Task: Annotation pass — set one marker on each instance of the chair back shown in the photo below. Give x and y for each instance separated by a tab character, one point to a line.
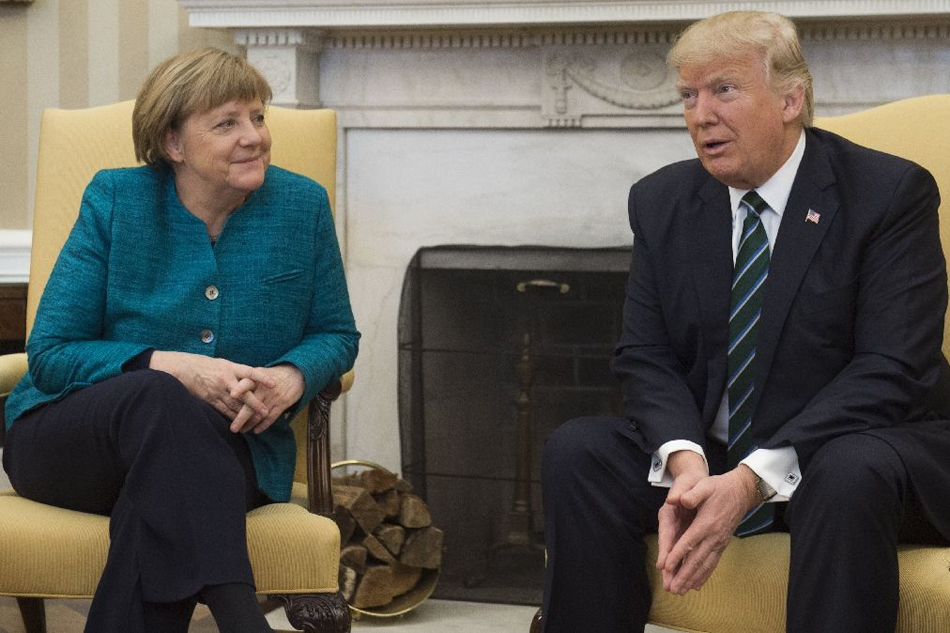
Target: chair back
75	144
917	129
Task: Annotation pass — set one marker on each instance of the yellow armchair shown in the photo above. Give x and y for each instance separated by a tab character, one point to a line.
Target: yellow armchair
746	593
48	552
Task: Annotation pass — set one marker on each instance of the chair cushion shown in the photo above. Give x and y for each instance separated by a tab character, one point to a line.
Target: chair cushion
293	551
54	553
746	593
49	552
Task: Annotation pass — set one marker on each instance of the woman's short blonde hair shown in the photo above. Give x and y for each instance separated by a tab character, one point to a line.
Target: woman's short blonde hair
188	83
737	33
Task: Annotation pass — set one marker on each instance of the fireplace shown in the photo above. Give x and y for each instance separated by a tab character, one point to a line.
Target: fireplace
518	122
498	346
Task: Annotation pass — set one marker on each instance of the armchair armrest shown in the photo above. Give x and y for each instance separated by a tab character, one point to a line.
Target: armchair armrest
12	369
319	492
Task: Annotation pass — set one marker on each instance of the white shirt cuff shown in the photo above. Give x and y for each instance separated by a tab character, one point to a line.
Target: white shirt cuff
778	467
659	476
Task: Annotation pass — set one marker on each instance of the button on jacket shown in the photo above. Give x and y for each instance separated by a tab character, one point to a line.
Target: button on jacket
138	271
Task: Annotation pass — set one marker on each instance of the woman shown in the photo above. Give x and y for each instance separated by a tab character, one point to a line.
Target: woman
197	304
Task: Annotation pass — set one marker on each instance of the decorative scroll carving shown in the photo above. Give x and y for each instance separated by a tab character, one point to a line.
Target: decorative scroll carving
649	84
628	79
277	70
317	613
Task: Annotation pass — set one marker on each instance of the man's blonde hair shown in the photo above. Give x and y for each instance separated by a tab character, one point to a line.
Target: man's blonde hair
188	83
737	33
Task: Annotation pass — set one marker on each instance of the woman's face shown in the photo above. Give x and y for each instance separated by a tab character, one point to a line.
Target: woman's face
221	154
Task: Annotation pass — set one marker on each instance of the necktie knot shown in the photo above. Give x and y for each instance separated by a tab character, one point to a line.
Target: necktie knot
755	203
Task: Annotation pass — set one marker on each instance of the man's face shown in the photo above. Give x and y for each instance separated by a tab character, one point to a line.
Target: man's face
743	130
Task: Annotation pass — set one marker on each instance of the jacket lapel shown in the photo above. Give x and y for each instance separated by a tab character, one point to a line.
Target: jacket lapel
795	246
711	228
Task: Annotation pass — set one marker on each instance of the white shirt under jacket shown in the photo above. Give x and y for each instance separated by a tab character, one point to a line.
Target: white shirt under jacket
778	467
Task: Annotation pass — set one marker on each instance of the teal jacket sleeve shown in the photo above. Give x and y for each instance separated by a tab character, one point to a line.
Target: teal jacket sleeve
66	349
331	341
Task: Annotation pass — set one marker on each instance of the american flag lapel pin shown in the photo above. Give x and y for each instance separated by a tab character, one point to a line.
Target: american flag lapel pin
812	216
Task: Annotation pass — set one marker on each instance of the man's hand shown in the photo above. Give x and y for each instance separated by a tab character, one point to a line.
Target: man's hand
687	469
697	522
214	379
283	388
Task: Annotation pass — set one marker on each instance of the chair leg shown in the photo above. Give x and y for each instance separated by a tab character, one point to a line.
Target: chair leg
317	613
33	613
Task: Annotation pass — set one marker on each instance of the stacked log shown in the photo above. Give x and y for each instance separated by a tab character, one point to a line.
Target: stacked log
387	537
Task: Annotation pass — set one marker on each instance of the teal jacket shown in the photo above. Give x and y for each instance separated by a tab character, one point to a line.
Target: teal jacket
133	275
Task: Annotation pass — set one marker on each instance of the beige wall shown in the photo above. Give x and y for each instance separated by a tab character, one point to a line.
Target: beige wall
75	54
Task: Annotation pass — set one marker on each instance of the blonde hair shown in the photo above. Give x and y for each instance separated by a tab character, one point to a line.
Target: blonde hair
188	83
738	33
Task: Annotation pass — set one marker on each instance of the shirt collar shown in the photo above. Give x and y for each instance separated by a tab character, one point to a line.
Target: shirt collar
775	190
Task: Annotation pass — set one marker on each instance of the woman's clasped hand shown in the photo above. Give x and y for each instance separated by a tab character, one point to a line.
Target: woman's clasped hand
251	397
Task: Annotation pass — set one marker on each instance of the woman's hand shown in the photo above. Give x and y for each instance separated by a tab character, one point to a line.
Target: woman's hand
284	387
214	380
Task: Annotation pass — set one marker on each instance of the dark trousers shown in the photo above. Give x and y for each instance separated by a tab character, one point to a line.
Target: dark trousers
845	520
174	480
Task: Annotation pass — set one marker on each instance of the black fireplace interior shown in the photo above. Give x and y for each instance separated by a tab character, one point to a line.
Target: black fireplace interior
498	346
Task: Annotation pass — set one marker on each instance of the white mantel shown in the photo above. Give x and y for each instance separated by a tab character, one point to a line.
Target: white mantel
520	122
462	13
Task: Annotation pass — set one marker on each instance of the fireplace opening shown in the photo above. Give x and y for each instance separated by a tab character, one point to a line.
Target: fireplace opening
497	347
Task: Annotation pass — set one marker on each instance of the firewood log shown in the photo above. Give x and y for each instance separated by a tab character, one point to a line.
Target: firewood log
405	577
376	481
360	504
389	501
392	536
354	557
377	549
348	579
345	521
423	548
413	512
375	588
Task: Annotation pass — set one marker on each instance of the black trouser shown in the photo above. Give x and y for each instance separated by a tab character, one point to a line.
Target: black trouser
845	520
163	464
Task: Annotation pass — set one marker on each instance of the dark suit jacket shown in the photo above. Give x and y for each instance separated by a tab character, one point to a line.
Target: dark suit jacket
852	318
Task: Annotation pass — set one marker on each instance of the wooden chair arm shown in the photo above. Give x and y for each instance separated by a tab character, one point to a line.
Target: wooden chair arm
12	369
319	493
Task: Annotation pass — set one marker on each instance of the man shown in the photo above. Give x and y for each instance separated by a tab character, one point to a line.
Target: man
780	360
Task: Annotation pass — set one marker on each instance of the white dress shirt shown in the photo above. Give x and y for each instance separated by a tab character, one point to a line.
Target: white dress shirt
778	467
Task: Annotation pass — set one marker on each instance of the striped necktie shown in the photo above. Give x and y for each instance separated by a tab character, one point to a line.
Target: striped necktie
748	284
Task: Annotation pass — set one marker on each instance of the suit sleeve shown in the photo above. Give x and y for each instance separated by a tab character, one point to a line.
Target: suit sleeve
901	299
66	349
331	341
656	396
